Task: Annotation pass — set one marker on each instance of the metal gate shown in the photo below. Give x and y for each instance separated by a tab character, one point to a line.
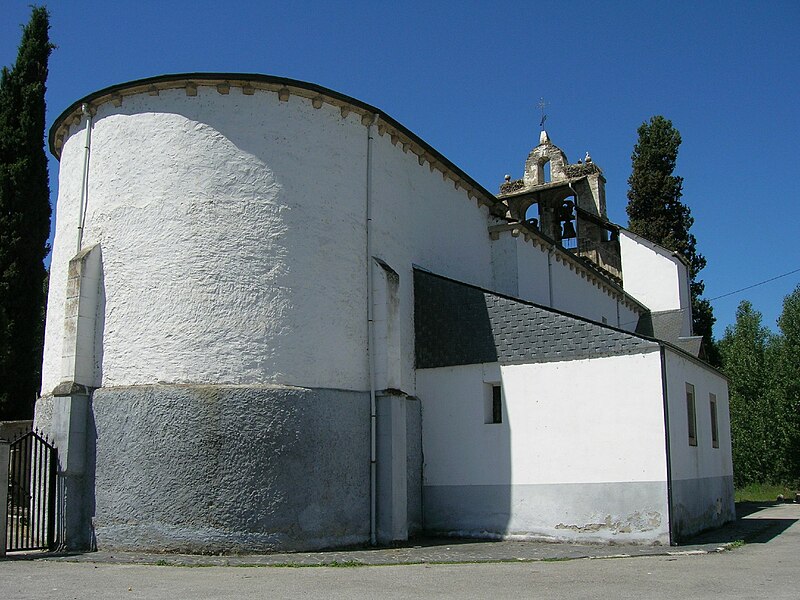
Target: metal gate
31	511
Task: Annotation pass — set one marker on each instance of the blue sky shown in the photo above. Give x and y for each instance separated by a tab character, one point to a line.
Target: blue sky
466	77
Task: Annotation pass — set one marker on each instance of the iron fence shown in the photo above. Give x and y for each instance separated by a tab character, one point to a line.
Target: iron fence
31	510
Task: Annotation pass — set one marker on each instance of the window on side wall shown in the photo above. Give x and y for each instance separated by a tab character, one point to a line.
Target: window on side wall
493	407
691	414
712	401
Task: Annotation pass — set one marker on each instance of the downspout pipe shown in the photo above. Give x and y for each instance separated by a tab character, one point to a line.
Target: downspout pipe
85	178
373	412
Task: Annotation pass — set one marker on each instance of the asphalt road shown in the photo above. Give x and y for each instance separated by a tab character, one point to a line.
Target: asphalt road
767	567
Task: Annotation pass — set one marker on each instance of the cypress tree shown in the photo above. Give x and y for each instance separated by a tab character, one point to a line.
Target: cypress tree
655	211
24	218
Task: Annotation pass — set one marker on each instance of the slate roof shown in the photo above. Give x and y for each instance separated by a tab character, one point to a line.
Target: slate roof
460	324
664	325
691	345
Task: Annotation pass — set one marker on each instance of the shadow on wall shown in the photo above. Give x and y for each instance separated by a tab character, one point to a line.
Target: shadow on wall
466	432
99	326
87	538
91	468
91	428
66	413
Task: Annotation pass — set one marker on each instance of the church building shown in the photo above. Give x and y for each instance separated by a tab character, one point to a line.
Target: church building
280	320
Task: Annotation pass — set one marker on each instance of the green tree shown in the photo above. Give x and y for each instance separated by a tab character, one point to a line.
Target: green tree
24	218
785	387
744	352
655	211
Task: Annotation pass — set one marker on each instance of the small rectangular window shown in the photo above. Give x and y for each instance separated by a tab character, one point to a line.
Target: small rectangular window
691	414
494	404
497	404
712	399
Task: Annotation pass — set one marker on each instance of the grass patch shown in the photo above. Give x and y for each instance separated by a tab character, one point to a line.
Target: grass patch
346	564
736	544
763	492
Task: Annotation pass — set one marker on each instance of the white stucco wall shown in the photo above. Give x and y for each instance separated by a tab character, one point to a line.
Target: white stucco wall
628	318
703	460
655	277
571	430
505	271
534	283
574	292
420	218
567	422
457	445
232	230
702	476
232	233
521	270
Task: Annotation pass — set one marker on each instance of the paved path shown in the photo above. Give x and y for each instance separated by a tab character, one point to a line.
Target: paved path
768	565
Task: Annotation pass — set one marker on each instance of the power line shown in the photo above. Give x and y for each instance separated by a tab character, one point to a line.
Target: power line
754	285
728	294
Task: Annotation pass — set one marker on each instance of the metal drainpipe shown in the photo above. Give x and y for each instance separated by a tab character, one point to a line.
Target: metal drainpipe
85	179
373	413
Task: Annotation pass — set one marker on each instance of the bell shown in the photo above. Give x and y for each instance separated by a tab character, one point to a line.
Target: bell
565	211
569	231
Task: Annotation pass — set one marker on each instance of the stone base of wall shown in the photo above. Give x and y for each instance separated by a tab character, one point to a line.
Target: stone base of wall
700	504
616	512
184	468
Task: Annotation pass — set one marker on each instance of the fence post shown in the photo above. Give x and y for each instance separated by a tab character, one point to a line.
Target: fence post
5	454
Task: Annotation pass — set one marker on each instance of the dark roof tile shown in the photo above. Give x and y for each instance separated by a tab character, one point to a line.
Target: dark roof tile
456	324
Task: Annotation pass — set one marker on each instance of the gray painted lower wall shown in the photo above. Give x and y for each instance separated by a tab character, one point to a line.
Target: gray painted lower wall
700	504
624	512
229	468
237	468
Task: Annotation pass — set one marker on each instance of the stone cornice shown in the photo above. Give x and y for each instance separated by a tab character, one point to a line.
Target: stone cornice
583	267
284	88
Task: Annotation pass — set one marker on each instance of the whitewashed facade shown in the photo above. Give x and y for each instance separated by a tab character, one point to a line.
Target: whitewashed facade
231	321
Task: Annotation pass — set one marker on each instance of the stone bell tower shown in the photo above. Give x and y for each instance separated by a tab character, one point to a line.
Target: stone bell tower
566	203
